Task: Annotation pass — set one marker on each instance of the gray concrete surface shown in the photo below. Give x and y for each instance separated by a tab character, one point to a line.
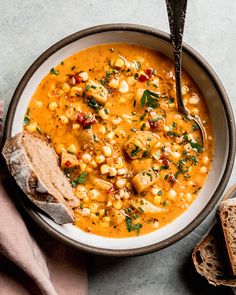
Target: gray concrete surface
27	28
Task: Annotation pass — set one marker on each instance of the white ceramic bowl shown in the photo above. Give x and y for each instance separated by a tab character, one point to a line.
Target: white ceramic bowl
220	113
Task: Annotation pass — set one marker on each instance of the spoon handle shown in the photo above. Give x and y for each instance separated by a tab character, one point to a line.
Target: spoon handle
176	10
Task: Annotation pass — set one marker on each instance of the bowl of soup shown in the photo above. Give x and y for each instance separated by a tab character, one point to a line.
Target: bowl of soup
105	97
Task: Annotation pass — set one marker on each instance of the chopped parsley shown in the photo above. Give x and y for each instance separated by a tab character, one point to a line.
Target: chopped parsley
102	81
194	127
160	193
137	65
108	76
172	134
127	210
149	98
146	154
135	151
194	145
184	164
95	138
130	227
141	209
87	87
94	104
79	180
143	126
171	100
54	72
165	203
26	120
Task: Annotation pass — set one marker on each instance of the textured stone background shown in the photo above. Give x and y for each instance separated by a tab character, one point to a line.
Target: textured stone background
27	28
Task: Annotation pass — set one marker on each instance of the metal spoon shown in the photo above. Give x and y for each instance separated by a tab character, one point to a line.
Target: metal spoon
176	13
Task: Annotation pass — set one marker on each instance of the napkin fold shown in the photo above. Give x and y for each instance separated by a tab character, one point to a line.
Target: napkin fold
31	261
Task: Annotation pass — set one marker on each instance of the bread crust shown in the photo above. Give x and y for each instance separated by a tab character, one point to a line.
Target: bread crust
31	184
226	212
209	261
209	256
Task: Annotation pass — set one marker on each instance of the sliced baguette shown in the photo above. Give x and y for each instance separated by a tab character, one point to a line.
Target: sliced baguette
34	165
227	217
209	256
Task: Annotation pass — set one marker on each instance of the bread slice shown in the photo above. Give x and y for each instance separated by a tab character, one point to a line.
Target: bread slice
209	256
227	217
209	260
34	165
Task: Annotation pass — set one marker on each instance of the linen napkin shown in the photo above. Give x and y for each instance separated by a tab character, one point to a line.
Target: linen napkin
31	261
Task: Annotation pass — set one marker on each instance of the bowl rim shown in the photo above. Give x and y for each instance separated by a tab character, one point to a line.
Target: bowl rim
224	99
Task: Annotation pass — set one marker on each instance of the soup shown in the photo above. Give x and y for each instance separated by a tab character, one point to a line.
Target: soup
134	162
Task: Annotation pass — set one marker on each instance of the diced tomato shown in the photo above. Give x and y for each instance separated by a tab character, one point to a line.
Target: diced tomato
67	163
78	78
86	119
157	124
172	179
111	190
149	72
72	79
75	79
143	78
81	119
165	161
90	120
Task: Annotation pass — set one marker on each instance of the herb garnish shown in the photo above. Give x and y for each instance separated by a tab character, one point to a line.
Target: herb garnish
135	151
26	120
102	81
137	65
87	87
194	127
130	227
160	193
183	165
54	72
172	134
171	100
150	98
165	203
79	180
143	126
146	154
94	104
108	76
194	145
95	138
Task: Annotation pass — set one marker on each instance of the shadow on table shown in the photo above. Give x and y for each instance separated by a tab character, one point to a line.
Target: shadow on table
197	284
194	283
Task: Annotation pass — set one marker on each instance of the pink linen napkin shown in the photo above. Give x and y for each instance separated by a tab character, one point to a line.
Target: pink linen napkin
31	261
